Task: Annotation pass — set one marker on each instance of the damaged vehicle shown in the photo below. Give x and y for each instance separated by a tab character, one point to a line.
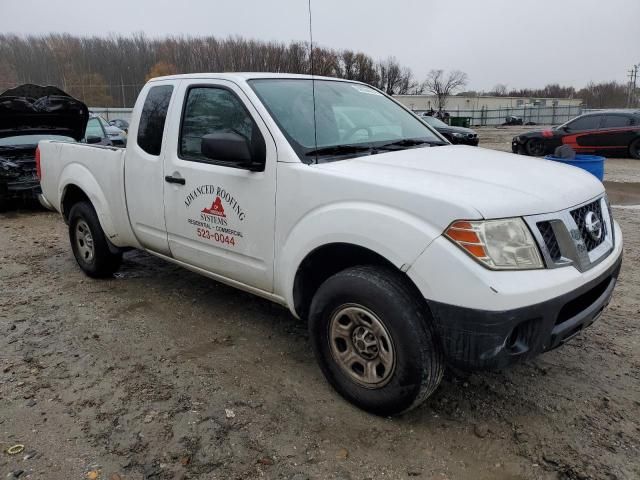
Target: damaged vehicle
28	114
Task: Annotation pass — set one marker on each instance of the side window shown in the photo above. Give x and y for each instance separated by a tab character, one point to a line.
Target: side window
616	121
94	129
152	118
588	122
214	110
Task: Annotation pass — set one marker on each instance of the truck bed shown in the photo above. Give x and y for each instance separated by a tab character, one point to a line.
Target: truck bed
96	170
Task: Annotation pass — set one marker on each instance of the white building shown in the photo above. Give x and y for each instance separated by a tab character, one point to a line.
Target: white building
483	102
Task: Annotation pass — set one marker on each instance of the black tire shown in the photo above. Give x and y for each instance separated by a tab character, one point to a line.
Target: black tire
418	362
535	147
634	149
102	262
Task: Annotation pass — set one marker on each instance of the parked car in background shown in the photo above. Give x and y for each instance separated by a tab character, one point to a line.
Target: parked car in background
28	114
607	132
456	135
95	132
121	124
117	136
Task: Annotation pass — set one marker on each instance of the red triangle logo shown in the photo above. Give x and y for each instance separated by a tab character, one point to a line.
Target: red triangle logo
215	209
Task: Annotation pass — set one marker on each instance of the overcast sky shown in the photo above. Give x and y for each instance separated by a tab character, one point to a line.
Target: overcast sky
515	42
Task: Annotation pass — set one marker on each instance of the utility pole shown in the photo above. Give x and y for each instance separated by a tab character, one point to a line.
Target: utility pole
633	78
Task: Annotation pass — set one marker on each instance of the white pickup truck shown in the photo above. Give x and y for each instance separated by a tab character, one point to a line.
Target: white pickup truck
403	252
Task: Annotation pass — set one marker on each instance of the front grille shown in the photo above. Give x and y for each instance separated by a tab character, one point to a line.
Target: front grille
579	215
570	237
550	240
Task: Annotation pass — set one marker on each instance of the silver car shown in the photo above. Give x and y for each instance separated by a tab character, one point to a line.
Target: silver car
117	136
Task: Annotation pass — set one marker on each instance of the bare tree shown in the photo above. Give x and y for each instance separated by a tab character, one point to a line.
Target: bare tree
110	71
500	90
442	86
604	95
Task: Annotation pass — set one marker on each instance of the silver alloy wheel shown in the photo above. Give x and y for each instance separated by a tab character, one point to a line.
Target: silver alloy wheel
84	241
361	346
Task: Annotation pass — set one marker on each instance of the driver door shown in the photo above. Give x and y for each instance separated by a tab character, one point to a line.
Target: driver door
220	217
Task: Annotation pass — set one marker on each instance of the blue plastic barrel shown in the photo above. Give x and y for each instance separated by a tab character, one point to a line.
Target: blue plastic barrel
591	163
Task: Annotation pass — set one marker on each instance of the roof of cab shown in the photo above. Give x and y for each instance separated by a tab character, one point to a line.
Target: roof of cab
244	76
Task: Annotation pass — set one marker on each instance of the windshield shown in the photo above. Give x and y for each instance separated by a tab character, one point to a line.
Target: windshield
348	115
16	141
434	122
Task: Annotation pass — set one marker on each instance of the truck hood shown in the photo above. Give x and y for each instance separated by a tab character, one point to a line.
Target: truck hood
33	109
494	184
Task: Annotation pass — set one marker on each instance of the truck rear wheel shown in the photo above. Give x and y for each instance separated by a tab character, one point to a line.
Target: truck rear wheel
372	338
89	244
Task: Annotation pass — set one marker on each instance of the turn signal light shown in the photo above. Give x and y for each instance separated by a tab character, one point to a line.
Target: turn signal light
467	237
38	170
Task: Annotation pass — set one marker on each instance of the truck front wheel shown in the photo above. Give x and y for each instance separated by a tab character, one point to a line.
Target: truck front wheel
372	338
89	244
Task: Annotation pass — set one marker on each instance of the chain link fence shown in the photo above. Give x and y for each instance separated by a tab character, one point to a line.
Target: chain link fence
528	114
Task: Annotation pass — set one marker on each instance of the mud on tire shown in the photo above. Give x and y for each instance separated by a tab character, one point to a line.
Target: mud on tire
89	244
393	362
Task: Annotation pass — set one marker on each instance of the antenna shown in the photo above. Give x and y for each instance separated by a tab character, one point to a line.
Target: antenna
313	84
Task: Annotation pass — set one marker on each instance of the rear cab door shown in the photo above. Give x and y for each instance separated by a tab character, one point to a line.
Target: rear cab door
144	165
220	217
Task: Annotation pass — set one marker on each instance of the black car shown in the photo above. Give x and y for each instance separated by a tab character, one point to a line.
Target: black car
28	114
456	135
607	132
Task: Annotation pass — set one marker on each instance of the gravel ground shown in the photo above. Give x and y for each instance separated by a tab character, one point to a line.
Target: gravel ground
159	373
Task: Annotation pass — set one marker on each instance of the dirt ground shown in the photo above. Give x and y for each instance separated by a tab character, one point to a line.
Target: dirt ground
159	373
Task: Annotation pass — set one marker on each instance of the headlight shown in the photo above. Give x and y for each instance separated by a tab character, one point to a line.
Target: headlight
505	244
517	139
458	135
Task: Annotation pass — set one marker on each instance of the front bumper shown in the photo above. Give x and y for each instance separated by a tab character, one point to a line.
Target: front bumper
481	339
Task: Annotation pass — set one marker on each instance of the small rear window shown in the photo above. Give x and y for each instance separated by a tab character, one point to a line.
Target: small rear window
152	118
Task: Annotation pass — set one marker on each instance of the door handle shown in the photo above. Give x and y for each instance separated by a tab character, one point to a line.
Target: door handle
178	180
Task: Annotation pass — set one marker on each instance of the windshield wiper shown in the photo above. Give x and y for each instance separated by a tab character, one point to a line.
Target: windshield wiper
338	150
409	142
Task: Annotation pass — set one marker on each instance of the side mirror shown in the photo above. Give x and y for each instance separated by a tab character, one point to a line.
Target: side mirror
93	139
230	147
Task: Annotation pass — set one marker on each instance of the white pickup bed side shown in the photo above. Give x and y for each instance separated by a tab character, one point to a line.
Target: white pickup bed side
99	172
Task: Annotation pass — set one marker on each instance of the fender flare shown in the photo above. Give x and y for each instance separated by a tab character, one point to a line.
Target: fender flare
81	177
395	235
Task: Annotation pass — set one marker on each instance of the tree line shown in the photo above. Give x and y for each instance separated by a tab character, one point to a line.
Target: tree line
110	71
594	95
